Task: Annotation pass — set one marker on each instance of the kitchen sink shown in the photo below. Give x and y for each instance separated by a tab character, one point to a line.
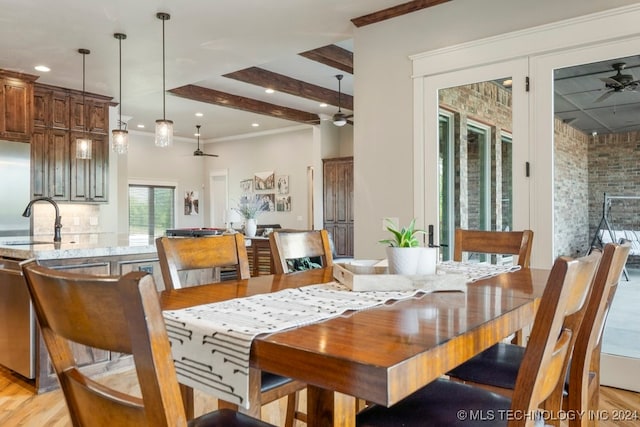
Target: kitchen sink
25	242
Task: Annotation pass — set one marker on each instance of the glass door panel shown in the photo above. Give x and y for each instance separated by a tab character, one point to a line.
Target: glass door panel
475	161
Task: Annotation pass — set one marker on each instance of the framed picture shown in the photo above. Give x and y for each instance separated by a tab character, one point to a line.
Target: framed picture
263	181
191	202
246	186
282	184
268	201
283	204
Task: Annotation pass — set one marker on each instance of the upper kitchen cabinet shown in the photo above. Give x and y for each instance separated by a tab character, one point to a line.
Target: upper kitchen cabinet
51	107
59	119
16	106
95	118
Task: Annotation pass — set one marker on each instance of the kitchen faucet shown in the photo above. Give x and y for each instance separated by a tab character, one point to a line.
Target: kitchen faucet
57	224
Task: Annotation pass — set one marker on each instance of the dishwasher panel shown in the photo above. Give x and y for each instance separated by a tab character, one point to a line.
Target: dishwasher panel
17	321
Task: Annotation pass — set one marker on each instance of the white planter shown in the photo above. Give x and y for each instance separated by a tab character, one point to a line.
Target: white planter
427	262
403	260
250	227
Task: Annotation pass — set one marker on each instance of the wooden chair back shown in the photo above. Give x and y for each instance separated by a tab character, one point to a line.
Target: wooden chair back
546	356
584	375
288	245
494	242
122	316
179	254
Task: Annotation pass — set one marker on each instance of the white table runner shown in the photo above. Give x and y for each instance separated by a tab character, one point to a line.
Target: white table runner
474	271
211	343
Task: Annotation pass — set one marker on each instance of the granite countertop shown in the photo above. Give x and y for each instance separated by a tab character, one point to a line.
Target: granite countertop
42	247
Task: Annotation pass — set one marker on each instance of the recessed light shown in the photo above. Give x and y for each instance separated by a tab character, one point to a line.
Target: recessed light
140	125
196	134
323	105
42	68
255	125
199	114
507	83
269	90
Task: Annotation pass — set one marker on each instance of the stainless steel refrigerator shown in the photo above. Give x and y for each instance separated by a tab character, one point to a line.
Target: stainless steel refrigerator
15	190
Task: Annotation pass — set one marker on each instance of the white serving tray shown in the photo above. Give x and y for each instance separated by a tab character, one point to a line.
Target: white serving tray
372	275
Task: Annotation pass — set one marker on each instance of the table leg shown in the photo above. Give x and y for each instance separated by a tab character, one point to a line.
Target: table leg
187	400
326	408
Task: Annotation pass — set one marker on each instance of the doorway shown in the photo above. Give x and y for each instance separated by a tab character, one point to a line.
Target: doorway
596	156
219	197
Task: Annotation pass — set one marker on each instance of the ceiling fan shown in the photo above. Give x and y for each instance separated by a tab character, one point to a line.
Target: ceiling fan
198	151
339	118
619	82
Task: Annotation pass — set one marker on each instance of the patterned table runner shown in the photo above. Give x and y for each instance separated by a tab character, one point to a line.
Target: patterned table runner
474	271
211	343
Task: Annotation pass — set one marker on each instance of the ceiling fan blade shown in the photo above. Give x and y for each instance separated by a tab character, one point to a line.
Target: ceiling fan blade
611	82
605	95
199	153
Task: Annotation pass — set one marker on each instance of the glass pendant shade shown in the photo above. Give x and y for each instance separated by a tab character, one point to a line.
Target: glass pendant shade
120	137
120	141
164	127
83	148
339	119
164	133
83	145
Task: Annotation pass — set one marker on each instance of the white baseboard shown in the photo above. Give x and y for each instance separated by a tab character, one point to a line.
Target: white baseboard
620	372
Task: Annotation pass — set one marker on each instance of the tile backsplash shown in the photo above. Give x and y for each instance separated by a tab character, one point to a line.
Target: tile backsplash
76	218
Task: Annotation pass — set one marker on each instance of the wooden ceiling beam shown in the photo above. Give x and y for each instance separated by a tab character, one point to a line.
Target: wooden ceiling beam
212	96
393	11
281	83
333	56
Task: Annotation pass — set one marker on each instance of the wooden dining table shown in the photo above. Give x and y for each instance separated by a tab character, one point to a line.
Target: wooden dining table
379	355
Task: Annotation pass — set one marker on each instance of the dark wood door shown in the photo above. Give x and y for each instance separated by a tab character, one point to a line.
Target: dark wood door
338	203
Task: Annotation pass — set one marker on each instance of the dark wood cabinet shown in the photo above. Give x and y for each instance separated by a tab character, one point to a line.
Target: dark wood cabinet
338	203
59	119
50	163
16	106
90	177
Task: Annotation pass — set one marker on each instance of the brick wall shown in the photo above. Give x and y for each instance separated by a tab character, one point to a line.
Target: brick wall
571	191
614	168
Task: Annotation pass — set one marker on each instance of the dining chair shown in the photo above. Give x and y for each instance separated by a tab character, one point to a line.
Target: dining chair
444	402
496	368
288	246
184	260
494	242
178	255
121	315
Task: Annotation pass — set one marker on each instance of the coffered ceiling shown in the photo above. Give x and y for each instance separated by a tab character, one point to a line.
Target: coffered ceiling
220	56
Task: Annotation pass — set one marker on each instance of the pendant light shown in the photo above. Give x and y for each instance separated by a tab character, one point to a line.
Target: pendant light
339	118
120	137
164	127
83	145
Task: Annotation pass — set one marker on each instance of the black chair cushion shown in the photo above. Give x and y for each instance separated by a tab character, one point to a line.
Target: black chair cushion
270	381
441	403
226	418
496	366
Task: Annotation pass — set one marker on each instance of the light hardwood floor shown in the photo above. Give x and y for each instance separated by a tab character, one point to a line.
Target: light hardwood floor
20	407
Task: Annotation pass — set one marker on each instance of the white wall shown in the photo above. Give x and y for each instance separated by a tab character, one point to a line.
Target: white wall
287	153
383	137
174	165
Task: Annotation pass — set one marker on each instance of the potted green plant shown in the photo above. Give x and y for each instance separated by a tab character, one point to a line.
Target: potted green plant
250	209
404	253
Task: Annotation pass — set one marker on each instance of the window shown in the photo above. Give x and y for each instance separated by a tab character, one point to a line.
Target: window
151	209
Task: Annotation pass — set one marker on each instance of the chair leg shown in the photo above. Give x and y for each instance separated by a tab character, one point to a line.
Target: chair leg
187	401
292	406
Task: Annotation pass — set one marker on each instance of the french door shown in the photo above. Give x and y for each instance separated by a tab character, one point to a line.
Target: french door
476	151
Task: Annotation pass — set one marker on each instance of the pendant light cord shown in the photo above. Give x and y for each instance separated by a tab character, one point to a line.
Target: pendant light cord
120	95
163	76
